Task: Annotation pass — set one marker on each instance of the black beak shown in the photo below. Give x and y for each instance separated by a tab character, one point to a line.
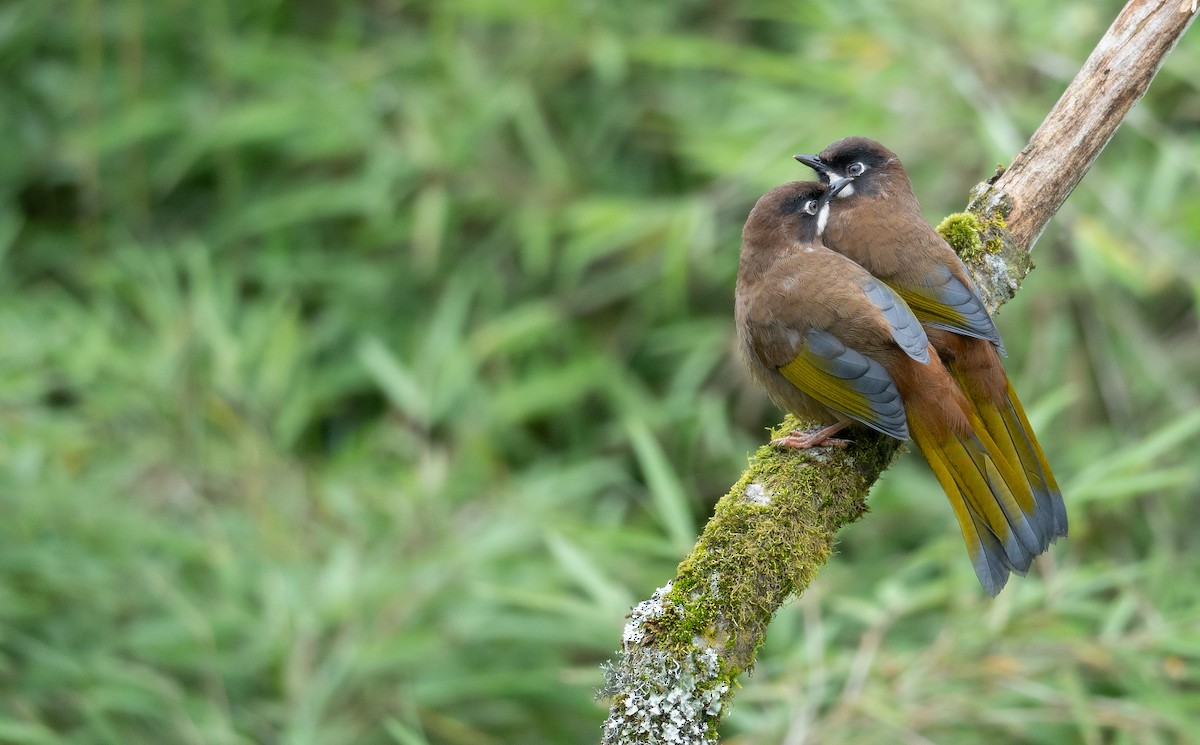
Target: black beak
837	185
813	162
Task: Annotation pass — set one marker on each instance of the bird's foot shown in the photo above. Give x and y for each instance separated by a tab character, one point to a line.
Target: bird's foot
798	440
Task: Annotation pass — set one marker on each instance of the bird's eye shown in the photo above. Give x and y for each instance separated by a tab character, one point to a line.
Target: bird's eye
811	206
855	169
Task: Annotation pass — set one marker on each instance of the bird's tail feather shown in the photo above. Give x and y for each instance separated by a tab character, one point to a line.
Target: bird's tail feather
1006	423
987	494
1032	458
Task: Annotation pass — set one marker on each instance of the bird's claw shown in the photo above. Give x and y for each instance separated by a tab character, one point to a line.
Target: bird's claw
797	440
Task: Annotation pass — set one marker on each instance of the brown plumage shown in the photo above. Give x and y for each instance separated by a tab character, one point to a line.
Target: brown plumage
830	342
876	221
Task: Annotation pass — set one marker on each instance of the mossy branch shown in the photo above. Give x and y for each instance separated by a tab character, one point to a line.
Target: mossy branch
684	648
768	537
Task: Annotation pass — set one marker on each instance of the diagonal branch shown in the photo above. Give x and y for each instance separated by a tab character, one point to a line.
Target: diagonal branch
683	648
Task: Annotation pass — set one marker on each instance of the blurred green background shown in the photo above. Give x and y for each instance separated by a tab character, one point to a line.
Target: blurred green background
364	362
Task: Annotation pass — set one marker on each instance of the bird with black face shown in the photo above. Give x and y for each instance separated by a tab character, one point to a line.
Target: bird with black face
877	222
831	343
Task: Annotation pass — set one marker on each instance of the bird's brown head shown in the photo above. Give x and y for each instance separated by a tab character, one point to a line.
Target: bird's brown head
875	170
787	215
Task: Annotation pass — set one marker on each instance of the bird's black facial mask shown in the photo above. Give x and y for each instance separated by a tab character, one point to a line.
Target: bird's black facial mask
840	181
848	160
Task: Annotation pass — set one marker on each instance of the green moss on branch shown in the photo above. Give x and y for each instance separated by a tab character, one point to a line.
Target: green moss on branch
767	538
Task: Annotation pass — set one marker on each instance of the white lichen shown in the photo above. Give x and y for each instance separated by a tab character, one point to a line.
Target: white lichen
635	633
659	699
757	494
663	701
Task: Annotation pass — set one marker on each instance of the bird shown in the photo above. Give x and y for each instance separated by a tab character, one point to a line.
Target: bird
876	221
830	342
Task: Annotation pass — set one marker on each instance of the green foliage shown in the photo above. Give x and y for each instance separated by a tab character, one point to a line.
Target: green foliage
364	363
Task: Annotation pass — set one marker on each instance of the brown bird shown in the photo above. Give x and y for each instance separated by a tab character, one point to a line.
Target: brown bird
830	342
877	222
